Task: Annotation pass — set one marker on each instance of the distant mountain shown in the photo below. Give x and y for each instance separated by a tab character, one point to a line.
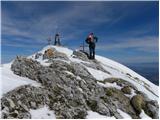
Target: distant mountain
148	70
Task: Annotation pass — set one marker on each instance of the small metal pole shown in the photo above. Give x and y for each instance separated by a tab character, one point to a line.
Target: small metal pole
49	41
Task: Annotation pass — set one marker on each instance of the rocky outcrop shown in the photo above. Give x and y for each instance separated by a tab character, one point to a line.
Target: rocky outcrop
52	54
26	67
81	55
138	103
16	104
126	90
70	91
152	109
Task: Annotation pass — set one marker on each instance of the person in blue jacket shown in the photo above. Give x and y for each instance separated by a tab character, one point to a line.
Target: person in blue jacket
91	40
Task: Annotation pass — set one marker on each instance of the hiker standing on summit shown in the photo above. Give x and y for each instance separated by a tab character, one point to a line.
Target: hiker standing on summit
91	40
57	40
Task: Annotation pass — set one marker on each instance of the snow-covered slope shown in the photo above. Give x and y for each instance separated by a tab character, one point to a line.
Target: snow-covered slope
116	69
10	81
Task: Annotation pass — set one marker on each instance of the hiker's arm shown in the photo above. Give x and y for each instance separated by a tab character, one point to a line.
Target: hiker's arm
87	40
96	39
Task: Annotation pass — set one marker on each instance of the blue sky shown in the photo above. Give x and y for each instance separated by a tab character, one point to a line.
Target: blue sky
127	31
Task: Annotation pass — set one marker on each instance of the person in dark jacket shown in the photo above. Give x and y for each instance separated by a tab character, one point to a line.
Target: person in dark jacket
57	40
91	40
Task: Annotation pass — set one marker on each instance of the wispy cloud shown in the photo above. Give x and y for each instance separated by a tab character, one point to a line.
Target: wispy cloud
29	24
72	20
147	44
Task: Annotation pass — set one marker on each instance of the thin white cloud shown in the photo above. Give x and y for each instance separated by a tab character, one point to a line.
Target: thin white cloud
139	59
43	26
147	44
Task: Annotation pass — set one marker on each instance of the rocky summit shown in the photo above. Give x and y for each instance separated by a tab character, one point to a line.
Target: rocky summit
71	85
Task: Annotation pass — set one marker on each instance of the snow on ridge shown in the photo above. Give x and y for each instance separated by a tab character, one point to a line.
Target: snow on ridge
123	114
99	75
62	49
116	69
42	113
121	67
124	70
110	85
95	115
12	81
132	94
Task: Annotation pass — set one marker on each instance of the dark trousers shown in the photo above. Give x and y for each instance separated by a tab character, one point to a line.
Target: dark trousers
57	42
92	51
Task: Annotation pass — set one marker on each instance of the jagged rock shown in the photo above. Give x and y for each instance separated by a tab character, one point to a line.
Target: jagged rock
33	105
38	55
48	53
68	89
11	103
152	109
14	114
53	54
93	64
26	67
81	55
122	102
24	95
80	70
24	115
126	90
137	102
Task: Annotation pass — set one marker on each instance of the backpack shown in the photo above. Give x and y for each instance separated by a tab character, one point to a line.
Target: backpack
91	38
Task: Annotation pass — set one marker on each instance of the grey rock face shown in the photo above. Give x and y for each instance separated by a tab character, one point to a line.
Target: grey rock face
93	63
26	67
38	55
68	89
16	104
81	55
153	109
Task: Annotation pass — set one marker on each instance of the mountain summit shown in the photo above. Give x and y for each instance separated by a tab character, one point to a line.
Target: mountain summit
57	82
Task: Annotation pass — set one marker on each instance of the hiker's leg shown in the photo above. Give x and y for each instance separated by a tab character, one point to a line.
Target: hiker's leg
94	53
59	42
55	42
90	52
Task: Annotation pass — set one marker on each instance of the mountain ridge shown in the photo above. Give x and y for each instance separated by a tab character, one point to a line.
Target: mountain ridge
61	70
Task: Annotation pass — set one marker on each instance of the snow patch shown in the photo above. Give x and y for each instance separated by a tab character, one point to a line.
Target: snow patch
143	115
78	60
118	70
97	74
42	113
43	62
95	115
64	50
132	94
123	114
10	81
112	85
